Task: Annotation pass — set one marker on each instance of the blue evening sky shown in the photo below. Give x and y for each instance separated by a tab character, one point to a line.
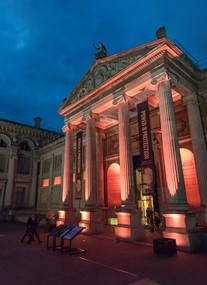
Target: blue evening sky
46	46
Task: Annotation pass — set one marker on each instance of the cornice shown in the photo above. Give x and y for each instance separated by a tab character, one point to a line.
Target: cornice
25	130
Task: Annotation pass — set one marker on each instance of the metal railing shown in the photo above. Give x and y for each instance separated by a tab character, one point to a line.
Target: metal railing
201	64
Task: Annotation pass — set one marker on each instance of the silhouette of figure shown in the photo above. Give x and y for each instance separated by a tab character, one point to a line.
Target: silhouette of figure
102	51
34	232
29	225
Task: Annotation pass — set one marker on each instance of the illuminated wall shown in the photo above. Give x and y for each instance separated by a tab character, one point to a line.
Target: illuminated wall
190	178
113	185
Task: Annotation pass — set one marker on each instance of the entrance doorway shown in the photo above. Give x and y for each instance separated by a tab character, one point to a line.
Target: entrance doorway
144	202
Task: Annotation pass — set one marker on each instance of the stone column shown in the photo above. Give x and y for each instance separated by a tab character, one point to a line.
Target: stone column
179	220
67	213
11	174
100	168
33	191
125	152
171	151
67	197
91	216
91	174
198	144
129	217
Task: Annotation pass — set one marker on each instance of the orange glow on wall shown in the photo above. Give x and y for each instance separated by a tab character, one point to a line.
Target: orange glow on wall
61	214
113	185
85	215
45	182
190	178
57	180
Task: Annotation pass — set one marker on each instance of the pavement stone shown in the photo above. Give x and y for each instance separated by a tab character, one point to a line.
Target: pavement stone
105	262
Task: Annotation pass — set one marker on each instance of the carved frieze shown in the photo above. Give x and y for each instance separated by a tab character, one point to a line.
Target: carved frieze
101	73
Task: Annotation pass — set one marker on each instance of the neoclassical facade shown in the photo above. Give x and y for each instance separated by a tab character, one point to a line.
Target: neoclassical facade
135	131
135	127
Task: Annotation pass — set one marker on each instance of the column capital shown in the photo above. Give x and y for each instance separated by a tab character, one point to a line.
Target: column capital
165	76
91	115
118	100
100	134
69	127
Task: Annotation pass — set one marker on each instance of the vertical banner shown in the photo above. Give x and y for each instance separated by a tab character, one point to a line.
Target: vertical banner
146	152
78	188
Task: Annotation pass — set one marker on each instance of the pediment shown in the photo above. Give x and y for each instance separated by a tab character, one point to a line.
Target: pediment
106	68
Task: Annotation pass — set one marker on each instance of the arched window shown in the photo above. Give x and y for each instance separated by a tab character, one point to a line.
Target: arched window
3	143
24	146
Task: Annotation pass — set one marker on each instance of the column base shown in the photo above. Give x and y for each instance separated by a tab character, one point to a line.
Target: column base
92	220
129	226
180	226
67	217
201	216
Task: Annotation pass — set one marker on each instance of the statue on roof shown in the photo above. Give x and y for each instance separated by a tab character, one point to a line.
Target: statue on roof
102	51
161	32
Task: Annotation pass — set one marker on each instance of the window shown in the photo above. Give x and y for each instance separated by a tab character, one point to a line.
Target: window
2	162
2	143
23	164
24	146
57	162
46	166
20	197
45	182
57	180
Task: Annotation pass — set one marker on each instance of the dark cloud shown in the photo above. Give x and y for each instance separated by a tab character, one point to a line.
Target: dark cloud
47	45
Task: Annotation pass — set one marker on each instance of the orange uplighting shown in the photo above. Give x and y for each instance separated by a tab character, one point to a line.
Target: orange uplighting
45	182
113	185
57	180
85	215
190	178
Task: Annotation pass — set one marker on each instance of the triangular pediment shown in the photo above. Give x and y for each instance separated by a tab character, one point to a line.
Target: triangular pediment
106	68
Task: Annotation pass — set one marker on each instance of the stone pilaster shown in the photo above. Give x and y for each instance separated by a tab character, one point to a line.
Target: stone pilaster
11	172
33	192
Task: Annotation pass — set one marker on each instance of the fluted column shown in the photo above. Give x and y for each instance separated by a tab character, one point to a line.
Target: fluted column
172	158
91	176
198	144
67	195
125	152
100	169
11	173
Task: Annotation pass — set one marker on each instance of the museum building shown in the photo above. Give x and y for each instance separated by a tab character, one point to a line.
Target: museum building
135	139
135	130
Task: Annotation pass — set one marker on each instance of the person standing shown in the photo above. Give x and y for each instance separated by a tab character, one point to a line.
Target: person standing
29	226
34	231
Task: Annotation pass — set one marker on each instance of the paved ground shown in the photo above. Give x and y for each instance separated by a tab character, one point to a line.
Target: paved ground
105	262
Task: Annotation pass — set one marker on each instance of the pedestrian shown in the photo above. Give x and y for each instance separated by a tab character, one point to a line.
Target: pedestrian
151	219
29	225
157	220
34	232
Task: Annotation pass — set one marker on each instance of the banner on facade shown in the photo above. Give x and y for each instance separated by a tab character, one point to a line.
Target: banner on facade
146	152
78	182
